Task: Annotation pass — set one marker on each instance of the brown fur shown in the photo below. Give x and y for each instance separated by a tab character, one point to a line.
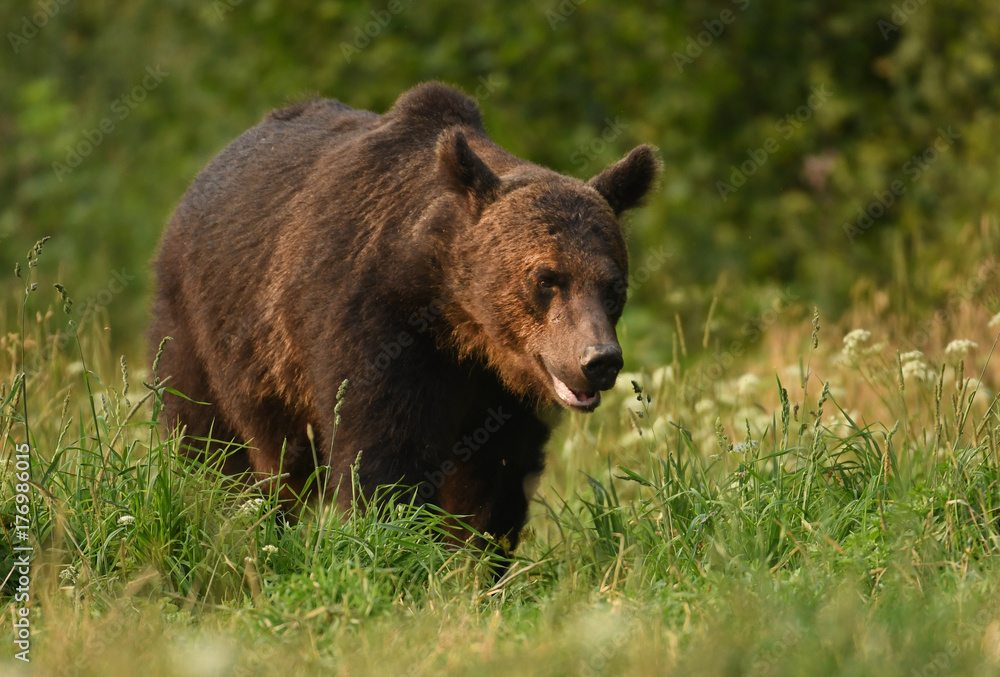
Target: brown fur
446	279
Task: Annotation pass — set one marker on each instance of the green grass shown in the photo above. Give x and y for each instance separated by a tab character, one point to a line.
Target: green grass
819	519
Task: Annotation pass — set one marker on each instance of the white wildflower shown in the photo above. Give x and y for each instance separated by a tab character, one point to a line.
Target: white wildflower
704	407
972	389
994	321
746	385
663	375
68	574
916	371
270	549
744	447
912	356
126	520
250	508
971	385
856	345
858	338
959	349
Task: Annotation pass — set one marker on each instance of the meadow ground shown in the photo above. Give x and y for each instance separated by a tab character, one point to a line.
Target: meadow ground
804	499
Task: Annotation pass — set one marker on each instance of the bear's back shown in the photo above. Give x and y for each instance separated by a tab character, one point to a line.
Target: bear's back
284	146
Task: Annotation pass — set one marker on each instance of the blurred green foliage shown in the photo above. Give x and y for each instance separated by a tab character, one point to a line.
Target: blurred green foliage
819	106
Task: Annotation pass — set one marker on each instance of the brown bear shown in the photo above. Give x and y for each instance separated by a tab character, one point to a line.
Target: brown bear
461	291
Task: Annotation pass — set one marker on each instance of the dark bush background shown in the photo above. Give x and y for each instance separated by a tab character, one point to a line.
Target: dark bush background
710	83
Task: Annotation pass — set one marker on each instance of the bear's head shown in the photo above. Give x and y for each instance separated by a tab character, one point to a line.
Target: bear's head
540	273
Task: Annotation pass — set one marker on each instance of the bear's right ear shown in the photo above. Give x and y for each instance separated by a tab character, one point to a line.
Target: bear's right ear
463	169
625	183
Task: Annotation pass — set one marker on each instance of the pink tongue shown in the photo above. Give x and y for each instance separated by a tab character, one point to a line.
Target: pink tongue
574	397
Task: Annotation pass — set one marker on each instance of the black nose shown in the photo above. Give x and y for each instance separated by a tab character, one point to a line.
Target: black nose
601	364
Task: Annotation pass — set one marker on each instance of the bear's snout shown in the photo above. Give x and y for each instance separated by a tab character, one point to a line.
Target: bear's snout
601	364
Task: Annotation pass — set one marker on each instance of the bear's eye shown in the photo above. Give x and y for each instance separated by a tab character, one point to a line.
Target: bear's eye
547	280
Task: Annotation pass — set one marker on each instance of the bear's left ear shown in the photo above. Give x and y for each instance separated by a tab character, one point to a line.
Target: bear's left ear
627	181
466	172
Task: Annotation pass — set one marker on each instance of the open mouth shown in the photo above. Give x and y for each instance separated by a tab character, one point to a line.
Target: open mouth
576	399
